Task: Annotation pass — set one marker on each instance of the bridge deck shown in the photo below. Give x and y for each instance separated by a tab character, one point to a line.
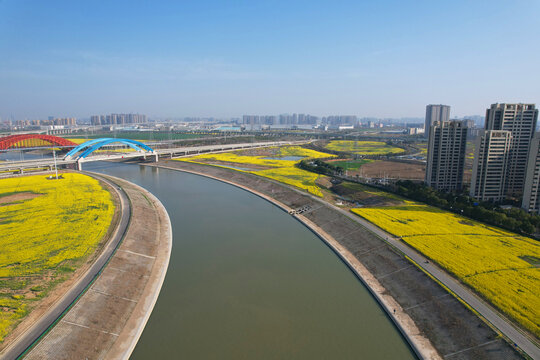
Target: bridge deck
8	166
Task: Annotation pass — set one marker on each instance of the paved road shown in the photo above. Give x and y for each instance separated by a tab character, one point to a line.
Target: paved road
42	325
486	310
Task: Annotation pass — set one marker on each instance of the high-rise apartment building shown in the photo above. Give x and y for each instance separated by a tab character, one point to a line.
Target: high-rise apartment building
117	119
531	190
446	155
489	175
436	113
251	120
520	120
337	120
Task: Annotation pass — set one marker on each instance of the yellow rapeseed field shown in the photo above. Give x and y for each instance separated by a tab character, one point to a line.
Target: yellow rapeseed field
490	260
364	147
275	168
77	140
45	237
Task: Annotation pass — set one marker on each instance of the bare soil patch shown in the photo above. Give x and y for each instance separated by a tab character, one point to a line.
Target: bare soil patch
8	199
259	152
235	165
392	169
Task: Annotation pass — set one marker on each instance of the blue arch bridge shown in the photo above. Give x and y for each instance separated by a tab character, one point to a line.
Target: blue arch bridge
80	152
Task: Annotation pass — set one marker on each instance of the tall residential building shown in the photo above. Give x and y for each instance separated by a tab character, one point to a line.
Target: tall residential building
337	120
520	120
489	175
436	113
117	119
446	155
531	190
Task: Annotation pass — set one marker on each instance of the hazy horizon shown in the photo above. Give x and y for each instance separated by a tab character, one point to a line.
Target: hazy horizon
383	59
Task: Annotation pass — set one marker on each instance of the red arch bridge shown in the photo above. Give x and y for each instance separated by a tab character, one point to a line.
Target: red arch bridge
33	140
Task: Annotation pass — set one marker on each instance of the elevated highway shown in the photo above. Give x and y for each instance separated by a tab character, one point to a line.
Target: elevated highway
8	167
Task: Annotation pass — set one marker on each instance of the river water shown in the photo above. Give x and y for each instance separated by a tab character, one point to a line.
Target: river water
248	281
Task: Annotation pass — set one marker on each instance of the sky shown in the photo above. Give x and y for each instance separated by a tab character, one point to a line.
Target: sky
228	58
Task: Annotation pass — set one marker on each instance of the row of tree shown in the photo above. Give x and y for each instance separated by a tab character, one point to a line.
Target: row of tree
512	219
320	167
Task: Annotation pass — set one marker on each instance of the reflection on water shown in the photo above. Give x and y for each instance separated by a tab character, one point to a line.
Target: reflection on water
248	281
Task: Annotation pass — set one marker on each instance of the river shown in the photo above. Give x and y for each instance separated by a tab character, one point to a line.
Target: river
248	281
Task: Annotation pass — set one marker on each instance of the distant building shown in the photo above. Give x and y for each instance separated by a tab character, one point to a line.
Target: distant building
52	121
531	190
520	120
469	123
337	120
251	122
257	122
471	126
118	119
489	173
446	155
415	131
269	120
436	113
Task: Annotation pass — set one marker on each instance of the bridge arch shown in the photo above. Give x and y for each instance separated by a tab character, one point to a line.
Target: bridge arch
90	146
32	140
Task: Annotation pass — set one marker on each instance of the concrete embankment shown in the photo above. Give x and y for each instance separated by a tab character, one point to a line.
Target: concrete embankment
109	317
435	323
53	306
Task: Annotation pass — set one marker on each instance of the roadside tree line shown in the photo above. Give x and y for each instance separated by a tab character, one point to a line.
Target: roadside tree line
515	220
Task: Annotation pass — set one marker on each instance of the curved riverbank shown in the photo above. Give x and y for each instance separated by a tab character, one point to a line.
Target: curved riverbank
454	330
110	315
52	307
419	343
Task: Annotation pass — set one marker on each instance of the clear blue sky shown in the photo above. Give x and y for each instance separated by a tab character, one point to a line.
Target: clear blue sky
226	58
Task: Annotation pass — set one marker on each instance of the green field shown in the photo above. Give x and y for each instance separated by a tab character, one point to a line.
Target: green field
351	164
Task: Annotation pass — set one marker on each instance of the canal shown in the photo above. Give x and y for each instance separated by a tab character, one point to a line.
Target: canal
248	281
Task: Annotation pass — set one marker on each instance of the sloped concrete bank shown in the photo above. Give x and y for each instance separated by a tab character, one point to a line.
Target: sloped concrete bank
45	314
435	324
109	317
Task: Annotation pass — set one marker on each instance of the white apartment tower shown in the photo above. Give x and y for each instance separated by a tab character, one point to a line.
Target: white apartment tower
436	113
531	190
446	155
489	173
520	120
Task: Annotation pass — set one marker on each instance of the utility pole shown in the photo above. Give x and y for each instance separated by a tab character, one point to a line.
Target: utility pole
55	168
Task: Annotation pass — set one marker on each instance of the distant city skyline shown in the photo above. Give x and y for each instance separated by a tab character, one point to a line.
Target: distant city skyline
384	59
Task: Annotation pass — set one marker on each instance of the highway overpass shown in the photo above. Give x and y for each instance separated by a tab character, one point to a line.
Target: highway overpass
9	167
